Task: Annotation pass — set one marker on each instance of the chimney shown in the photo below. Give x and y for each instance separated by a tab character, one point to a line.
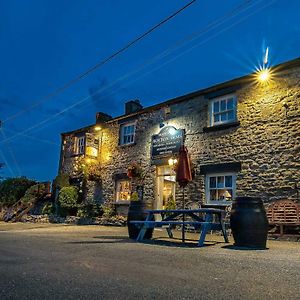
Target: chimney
132	106
102	117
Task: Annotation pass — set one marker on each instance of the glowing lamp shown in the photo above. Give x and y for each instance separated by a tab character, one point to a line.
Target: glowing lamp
263	75
97	128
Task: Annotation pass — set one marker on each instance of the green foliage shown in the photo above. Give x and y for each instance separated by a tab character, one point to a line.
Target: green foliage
171	203
13	189
34	192
108	211
61	180
134	196
68	197
48	209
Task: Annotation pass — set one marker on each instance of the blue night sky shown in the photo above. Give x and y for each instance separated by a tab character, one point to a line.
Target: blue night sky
44	44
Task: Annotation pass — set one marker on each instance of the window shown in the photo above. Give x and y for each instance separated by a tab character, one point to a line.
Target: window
79	145
220	188
123	188
223	110
127	132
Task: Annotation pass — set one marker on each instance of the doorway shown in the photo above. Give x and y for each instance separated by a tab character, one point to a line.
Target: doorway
166	185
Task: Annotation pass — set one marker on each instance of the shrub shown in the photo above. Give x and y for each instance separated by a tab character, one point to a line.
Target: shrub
13	189
61	180
68	197
108	211
35	192
47	209
171	203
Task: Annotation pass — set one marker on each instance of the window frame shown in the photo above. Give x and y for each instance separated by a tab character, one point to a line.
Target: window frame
219	99
208	189
121	138
117	185
80	148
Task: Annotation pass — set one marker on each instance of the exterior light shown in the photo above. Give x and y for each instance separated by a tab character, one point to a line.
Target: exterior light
264	75
171	162
88	160
97	128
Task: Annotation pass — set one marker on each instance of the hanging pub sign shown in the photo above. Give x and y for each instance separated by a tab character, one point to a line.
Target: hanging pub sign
167	142
92	145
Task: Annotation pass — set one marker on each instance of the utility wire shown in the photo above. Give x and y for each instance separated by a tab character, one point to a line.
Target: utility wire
135	71
12	154
101	63
33	137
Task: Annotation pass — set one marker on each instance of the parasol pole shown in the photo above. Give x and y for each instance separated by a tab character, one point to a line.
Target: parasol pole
183	218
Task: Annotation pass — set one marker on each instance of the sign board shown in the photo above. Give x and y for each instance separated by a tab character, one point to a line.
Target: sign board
92	145
167	142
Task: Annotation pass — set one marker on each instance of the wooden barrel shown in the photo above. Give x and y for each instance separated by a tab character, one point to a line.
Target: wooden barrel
249	223
137	212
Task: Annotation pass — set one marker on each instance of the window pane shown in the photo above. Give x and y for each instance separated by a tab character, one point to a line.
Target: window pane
220	181
216	118
223	116
228	181
216	107
212	182
230	115
230	103
213	195
223	105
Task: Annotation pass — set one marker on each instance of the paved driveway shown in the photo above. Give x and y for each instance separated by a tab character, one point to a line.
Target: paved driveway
91	262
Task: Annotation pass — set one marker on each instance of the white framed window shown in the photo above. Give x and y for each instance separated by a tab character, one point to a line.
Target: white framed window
123	190
223	110
220	188
127	134
79	145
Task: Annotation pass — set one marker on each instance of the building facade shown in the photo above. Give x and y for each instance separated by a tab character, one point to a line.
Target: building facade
243	138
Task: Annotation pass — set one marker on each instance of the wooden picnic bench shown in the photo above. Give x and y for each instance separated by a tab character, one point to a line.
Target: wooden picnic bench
284	213
202	219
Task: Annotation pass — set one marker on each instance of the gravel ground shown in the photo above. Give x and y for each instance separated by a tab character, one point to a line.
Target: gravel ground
50	261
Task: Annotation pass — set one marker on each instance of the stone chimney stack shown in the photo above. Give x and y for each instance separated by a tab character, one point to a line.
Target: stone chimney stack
132	106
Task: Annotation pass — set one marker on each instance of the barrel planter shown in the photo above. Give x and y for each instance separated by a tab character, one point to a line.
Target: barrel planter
137	212
249	223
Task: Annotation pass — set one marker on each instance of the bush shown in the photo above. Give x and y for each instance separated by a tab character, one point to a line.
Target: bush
61	180
108	211
35	192
13	189
68	197
48	209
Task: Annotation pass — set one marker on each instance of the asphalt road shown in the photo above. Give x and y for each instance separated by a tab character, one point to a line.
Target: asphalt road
91	262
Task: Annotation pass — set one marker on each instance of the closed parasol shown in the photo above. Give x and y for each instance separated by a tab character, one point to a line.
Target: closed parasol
183	176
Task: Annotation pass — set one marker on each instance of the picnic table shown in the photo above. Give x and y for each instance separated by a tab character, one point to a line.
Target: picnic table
205	219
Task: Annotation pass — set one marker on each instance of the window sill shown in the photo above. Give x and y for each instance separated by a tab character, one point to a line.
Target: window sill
124	202
221	126
75	155
127	145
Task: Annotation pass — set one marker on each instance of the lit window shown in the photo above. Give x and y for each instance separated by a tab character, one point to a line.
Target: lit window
123	190
79	145
220	188
223	110
127	132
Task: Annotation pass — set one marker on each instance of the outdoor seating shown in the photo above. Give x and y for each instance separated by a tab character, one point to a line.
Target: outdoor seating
202	219
284	213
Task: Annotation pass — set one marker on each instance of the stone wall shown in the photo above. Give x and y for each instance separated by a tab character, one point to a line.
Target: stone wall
266	142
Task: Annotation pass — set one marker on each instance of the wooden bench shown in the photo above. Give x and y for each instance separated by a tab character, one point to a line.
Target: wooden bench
284	213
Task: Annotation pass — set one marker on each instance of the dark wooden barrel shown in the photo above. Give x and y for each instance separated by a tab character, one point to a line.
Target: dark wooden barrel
249	223
137	212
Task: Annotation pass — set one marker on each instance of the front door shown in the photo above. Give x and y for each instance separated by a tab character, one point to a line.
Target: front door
166	183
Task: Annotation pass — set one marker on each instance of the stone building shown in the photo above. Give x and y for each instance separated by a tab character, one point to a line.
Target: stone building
243	138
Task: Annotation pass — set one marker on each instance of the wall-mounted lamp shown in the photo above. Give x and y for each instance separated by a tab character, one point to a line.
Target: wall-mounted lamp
97	128
263	75
172	161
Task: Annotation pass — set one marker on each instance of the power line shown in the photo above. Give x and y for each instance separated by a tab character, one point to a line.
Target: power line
101	63
33	137
12	154
192	37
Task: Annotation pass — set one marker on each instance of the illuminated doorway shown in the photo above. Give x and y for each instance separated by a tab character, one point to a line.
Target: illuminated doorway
166	184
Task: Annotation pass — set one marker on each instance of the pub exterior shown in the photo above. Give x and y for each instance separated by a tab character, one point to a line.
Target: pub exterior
243	138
